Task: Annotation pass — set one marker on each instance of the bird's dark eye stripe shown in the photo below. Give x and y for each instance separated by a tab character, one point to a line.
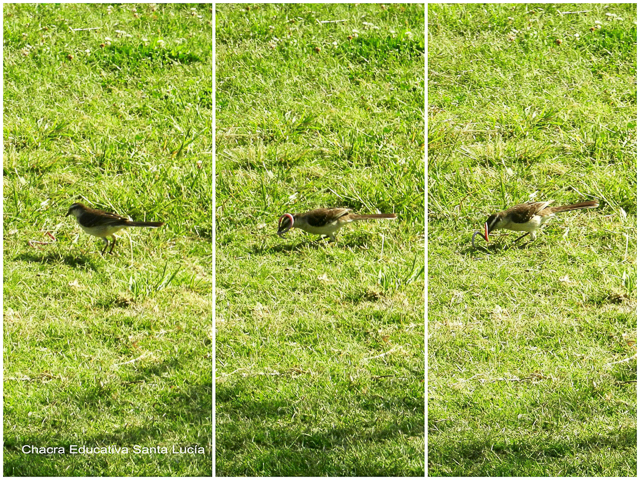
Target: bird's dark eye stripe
285	221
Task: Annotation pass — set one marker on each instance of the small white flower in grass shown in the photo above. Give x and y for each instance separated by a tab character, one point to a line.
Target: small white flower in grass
598	22
577	35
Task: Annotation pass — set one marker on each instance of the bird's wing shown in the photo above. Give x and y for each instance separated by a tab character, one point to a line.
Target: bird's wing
105	218
524	212
537	207
325	216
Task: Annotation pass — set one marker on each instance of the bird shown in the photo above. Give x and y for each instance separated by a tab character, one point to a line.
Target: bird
103	224
529	217
324	221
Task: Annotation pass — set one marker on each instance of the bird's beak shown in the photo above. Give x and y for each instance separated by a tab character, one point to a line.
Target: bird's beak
486	232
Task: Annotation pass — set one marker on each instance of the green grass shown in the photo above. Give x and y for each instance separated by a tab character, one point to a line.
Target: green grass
319	346
110	106
531	347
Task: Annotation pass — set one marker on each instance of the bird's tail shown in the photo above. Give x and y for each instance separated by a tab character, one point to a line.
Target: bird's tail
575	206
378	216
145	224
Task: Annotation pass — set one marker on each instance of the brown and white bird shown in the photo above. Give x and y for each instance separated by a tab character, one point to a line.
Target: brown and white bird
324	221
103	224
529	217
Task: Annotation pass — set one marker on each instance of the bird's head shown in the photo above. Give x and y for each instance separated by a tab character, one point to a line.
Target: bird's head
76	209
285	223
490	225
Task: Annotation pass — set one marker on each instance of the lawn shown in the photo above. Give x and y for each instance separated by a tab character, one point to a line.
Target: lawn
319	345
531	347
111	106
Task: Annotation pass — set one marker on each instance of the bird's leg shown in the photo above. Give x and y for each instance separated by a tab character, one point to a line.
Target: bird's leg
521	237
106	245
113	243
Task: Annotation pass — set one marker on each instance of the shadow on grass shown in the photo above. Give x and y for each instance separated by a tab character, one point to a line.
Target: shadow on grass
496	248
272	445
185	404
526	457
51	258
288	245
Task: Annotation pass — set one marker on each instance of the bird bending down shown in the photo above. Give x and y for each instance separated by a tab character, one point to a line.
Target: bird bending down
324	221
103	224
529	217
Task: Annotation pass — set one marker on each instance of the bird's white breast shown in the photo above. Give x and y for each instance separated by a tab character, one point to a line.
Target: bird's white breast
102	230
327	229
532	225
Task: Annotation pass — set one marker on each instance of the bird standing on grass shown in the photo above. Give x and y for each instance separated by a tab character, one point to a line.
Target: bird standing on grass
529	217
103	224
324	221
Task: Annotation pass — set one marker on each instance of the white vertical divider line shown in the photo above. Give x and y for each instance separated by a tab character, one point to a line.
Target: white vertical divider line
213	250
